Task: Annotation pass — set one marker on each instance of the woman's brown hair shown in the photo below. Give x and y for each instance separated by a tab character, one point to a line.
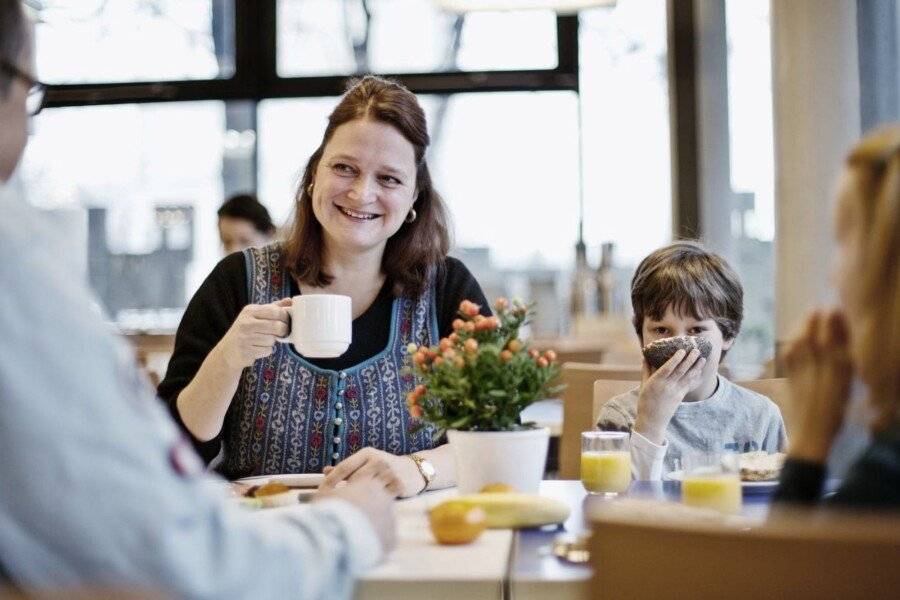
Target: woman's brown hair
869	208
418	248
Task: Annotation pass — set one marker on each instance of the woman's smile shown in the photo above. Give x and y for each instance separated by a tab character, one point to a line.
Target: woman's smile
356	215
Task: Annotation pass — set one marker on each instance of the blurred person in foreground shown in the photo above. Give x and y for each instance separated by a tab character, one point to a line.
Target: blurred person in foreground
369	225
861	337
244	223
98	486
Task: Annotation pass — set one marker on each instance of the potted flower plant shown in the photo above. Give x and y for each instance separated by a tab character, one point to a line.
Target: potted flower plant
474	385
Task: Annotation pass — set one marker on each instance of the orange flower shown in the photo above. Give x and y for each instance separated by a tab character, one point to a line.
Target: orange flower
514	345
533	353
470	326
542	362
469	308
501	303
445	344
506	356
449	354
438	361
471	345
412	399
458	324
458	362
420	390
419	358
454	337
415	411
550	355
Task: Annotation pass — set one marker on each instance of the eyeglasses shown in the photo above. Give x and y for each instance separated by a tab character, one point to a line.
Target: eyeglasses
34	101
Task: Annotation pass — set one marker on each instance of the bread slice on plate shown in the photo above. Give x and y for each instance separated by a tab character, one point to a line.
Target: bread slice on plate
761	466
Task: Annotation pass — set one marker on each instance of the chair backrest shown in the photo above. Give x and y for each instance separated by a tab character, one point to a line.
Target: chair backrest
797	555
778	392
605	390
578	403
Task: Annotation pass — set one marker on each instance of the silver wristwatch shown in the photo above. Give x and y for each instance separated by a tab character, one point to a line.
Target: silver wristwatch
426	469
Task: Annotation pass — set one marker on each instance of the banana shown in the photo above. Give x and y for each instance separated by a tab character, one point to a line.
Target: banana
507	510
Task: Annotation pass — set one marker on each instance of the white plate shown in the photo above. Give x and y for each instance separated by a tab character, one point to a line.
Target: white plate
301	480
679	475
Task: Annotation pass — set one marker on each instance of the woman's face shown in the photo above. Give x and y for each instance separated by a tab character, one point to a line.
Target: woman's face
238	234
364	186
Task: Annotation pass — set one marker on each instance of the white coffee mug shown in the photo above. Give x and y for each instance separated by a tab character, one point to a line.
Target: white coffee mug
321	325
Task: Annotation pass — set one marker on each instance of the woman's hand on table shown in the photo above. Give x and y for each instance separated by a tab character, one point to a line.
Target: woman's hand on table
819	372
398	474
662	391
369	495
253	334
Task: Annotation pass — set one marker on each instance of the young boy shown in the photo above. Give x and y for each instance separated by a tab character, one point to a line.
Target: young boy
685	405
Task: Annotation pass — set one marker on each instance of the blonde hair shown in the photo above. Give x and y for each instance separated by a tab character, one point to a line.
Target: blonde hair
869	209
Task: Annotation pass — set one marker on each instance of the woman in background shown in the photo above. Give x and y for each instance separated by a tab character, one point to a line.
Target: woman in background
244	223
861	337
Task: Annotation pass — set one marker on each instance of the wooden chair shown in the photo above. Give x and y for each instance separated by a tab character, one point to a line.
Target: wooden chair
578	402
798	555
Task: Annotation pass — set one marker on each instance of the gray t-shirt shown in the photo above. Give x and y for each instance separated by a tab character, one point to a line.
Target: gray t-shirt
732	419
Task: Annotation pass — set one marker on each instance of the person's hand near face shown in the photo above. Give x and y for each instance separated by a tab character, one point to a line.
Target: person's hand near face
820	372
684	377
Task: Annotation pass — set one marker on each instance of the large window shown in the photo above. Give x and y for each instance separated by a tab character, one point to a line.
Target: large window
752	178
96	41
525	163
625	127
144	182
332	37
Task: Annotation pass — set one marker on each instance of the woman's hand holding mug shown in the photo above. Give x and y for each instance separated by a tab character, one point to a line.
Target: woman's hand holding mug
254	332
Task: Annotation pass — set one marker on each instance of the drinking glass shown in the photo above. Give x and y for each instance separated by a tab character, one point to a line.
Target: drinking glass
712	480
605	462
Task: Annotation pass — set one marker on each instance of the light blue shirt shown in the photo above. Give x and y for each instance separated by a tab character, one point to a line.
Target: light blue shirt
97	485
733	419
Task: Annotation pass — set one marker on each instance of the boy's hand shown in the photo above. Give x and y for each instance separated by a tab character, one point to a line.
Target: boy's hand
819	374
662	391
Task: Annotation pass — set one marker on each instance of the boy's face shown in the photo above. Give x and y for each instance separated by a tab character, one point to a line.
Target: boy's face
672	325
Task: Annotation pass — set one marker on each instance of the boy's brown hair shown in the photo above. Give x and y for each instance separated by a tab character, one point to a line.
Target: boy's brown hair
693	281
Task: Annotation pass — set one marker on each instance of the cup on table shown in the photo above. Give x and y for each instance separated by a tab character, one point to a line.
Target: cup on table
712	480
605	462
321	325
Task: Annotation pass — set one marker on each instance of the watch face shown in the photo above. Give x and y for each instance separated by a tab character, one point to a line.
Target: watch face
427	468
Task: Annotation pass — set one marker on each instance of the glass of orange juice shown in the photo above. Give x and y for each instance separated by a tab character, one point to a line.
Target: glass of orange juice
712	480
605	462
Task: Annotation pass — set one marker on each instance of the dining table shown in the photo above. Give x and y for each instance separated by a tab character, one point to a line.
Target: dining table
503	564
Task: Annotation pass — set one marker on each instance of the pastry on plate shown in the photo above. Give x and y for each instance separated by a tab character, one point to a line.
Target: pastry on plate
761	466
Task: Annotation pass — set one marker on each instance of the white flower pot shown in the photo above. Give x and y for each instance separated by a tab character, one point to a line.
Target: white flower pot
516	458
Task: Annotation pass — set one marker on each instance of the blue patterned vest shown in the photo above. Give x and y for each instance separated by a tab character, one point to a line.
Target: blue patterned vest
289	416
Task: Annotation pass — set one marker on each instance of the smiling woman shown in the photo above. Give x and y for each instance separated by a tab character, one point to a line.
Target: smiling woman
368	225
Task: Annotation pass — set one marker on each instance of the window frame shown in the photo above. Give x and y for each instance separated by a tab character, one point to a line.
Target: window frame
256	78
